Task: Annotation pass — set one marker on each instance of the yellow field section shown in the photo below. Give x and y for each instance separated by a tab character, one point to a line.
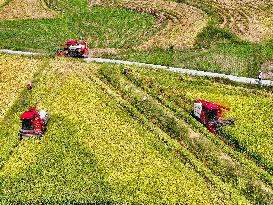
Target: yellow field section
250	19
251	112
133	170
182	22
121	149
15	72
26	9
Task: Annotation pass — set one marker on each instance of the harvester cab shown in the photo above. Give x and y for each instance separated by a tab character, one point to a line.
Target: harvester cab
33	123
73	48
210	115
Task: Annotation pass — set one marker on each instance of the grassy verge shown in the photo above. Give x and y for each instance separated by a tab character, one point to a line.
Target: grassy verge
235	58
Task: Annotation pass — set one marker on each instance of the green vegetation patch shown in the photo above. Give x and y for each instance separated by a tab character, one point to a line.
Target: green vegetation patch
241	59
216	49
100	26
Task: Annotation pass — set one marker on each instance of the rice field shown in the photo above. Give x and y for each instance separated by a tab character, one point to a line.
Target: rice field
94	151
250	108
15	73
251	20
2	2
101	27
117	145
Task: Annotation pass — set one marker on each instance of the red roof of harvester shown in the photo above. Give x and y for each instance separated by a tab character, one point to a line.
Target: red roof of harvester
71	42
210	105
30	114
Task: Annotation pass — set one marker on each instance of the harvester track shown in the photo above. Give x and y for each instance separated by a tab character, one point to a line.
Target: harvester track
250	20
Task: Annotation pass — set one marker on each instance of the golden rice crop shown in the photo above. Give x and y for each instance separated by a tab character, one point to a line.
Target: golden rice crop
2	2
15	72
250	109
94	151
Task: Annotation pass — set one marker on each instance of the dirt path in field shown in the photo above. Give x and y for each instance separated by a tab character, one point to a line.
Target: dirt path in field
267	69
172	69
182	23
249	19
26	9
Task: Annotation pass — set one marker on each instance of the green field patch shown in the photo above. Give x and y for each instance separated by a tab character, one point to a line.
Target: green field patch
101	27
241	59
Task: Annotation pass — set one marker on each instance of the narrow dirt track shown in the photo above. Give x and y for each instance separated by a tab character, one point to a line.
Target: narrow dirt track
172	69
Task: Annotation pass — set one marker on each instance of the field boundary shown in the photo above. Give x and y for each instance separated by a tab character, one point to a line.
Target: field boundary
233	78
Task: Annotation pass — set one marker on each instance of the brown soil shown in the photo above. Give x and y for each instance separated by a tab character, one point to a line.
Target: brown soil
267	69
268	75
102	51
26	9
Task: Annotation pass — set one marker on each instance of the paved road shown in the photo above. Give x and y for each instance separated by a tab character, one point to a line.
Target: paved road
179	70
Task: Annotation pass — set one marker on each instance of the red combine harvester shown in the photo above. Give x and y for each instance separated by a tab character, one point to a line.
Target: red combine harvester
33	123
73	48
210	115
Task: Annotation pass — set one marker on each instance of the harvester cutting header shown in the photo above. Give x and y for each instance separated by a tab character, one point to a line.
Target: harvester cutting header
73	48
210	115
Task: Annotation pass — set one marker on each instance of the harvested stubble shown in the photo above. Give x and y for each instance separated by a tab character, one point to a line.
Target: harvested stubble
182	22
249	19
26	9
